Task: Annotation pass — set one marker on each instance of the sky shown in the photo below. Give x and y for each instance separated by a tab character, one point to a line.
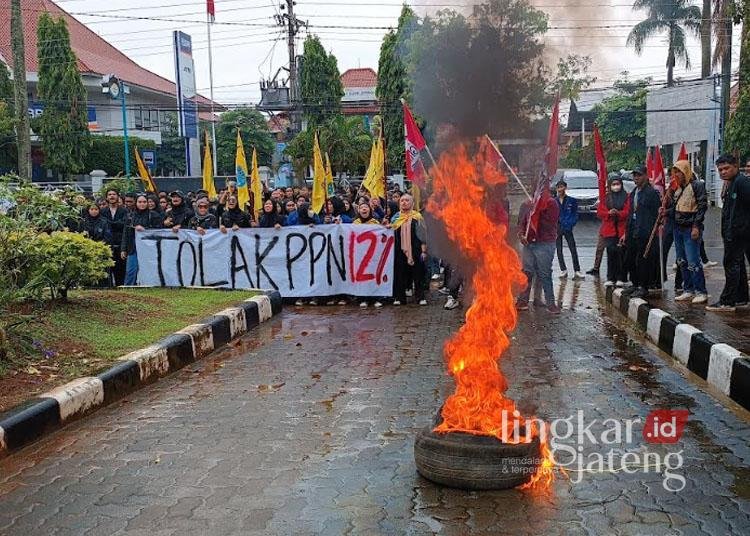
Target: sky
248	45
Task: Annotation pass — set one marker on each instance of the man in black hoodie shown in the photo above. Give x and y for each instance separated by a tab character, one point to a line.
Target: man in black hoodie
117	216
180	214
735	231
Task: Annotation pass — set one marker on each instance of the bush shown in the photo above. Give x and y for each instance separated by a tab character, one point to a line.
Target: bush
43	211
68	260
121	186
108	153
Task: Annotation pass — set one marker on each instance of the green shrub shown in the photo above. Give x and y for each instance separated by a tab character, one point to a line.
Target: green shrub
68	260
43	211
108	153
121	186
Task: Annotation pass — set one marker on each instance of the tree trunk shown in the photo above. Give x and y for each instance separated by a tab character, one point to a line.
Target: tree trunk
706	40
23	135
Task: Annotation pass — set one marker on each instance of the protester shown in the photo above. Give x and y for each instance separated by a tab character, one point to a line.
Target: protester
365	217
128	201
539	251
95	225
333	211
411	252
270	217
179	214
568	208
304	215
163	205
233	216
689	205
614	215
140	219
377	210
735	233
117	217
642	264
203	219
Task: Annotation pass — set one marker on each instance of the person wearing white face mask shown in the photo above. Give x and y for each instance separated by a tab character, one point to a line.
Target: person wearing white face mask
614	215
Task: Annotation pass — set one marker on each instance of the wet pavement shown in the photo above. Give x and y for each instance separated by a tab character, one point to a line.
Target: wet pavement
306	426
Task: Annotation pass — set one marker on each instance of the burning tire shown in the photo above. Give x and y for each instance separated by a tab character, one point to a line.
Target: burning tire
474	462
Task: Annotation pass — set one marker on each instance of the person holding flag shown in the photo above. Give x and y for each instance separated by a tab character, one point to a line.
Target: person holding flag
240	166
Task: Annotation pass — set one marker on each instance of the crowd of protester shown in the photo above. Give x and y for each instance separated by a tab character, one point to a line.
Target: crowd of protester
632	226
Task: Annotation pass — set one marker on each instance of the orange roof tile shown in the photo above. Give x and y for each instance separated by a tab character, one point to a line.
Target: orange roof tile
364	77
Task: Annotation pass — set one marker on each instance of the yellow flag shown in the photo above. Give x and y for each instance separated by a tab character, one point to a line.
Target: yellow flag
208	170
330	189
143	173
319	179
374	181
255	185
240	167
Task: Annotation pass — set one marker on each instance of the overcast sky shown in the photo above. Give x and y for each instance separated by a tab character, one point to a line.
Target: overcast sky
255	48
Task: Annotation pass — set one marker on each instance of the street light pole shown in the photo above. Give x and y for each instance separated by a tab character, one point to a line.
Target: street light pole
125	129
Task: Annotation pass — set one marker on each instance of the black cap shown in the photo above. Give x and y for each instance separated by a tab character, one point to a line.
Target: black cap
640	170
177	193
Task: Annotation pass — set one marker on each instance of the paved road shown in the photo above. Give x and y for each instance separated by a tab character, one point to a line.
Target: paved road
307	425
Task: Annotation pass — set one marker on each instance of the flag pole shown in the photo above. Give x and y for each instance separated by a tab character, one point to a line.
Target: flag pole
502	157
211	85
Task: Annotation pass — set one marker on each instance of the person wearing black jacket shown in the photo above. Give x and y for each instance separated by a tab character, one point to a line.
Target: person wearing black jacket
270	216
233	217
180	214
203	219
735	232
140	219
644	211
117	217
95	226
689	204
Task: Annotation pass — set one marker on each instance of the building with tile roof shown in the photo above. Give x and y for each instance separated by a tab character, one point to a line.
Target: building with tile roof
359	92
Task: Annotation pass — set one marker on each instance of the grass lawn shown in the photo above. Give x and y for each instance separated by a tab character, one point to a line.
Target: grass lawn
94	328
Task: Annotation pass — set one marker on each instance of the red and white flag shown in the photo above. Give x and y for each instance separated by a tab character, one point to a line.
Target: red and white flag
211	9
542	193
415	170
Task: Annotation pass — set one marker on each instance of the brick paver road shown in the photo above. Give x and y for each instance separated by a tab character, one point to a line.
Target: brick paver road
307	426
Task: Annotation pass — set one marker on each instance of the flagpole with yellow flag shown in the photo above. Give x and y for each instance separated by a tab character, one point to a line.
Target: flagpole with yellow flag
255	185
240	166
144	173
319	178
208	170
375	176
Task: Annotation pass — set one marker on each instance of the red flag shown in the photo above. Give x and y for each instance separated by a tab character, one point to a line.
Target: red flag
211	9
658	181
553	136
490	152
601	166
415	170
650	165
683	153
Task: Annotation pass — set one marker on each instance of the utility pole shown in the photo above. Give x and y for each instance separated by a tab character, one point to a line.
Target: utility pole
23	129
293	25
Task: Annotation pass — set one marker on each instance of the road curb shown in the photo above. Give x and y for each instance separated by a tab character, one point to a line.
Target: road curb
721	365
49	411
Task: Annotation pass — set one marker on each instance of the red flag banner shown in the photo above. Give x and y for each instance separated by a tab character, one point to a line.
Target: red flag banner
601	166
415	170
658	181
553	137
211	9
683	152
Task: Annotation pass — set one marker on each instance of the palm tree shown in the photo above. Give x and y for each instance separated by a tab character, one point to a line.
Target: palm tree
677	18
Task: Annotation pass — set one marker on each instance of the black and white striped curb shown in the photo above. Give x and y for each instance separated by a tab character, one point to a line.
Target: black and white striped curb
721	365
43	414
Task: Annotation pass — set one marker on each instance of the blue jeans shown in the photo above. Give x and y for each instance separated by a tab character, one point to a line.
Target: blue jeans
537	263
688	253
131	269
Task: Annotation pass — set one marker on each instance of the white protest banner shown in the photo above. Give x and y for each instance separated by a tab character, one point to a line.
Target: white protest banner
324	260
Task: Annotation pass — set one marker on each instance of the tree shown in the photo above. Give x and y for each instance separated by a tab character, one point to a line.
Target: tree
724	18
105	153
254	131
63	126
23	129
483	74
346	140
622	124
572	76
8	153
706	39
171	159
677	18
737	132
393	85
321	89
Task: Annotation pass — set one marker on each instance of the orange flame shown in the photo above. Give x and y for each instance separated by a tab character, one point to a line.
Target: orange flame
478	405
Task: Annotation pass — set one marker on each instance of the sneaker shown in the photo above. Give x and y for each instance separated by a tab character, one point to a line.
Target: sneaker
710	264
593	272
313	302
451	304
299	303
444	291
363	305
685	296
423	302
741	304
563	274
719	307
396	302
700	298
522	306
377	305
554	309
579	275
677	290
610	284
626	284
343	302
435	277
330	302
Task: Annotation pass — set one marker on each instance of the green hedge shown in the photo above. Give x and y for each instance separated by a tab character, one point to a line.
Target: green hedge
107	153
